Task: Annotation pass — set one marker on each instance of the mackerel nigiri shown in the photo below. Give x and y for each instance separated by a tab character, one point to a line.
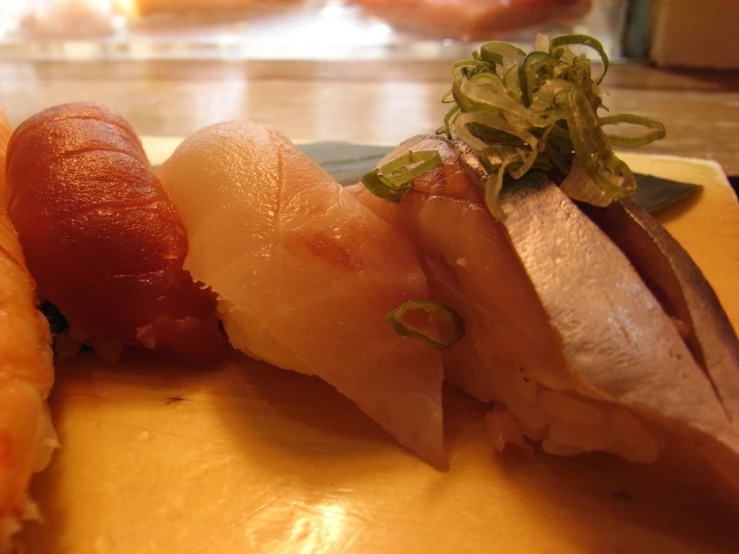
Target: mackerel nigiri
102	240
306	275
562	331
586	322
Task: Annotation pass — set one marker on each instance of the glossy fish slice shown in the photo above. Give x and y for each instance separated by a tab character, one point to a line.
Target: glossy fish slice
619	376
683	291
619	343
468	261
305	274
102	240
27	438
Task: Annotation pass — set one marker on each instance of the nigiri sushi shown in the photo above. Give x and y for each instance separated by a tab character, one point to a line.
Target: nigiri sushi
101	238
586	323
27	437
306	275
561	329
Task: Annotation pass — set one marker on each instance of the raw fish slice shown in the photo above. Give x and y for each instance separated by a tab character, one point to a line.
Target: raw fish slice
26	375
621	378
468	261
474	19
102	240
306	275
619	343
682	290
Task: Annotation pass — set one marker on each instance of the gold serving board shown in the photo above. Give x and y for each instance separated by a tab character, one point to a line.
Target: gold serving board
243	457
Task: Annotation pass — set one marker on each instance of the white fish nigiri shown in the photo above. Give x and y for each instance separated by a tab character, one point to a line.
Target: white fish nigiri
306	274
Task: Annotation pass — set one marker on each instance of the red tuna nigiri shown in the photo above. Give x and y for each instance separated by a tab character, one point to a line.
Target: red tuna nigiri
101	238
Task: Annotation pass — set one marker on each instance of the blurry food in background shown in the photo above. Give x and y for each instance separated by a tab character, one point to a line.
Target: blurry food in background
68	19
474	19
293	29
92	19
147	7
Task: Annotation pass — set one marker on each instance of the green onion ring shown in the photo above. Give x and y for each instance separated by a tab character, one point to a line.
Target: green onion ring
501	54
582	40
657	129
592	148
433	309
394	179
529	70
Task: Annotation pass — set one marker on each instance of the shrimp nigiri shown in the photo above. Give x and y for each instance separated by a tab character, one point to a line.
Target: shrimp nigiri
27	437
306	275
101	238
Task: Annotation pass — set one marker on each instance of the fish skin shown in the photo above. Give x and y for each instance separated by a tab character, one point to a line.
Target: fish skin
619	343
680	286
468	259
101	239
306	275
616	342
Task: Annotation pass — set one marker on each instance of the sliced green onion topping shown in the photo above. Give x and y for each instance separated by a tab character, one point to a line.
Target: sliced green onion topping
431	323
656	129
579	40
501	54
394	179
539	110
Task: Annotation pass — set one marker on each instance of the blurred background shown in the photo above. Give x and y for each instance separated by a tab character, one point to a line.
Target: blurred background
358	70
296	29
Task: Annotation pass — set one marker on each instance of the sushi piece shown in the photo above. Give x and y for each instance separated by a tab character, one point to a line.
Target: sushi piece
681	289
586	324
561	328
474	19
306	275
27	437
468	262
101	238
618	341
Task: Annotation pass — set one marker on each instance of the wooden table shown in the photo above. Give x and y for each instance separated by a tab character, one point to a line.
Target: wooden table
363	101
246	458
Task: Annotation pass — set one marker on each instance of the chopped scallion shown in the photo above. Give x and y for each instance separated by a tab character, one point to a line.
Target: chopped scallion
431	323
523	111
394	179
656	129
